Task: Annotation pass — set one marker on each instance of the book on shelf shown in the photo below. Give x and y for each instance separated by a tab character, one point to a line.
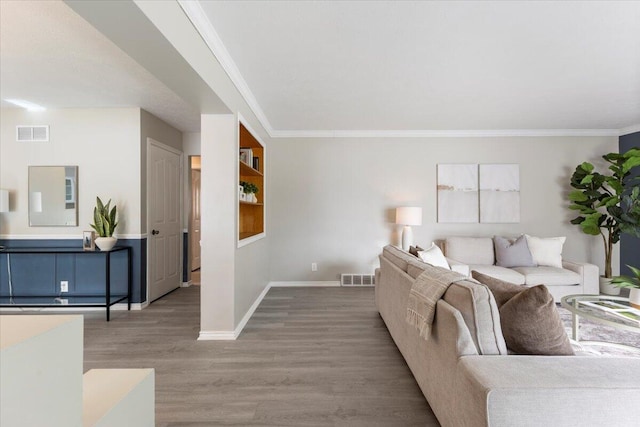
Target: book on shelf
616	309
246	156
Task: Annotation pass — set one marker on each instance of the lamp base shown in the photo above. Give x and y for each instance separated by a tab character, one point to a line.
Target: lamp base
407	237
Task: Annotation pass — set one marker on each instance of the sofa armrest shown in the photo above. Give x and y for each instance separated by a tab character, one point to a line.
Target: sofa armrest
589	275
459	267
549	390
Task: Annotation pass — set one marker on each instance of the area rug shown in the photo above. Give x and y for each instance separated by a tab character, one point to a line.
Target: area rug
594	331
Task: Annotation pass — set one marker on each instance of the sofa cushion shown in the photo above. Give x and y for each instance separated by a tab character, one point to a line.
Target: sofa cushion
415	267
530	321
396	256
512	253
546	251
550	276
478	308
434	256
470	250
502	273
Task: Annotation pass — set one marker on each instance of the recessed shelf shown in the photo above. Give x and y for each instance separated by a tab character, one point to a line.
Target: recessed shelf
246	170
250	215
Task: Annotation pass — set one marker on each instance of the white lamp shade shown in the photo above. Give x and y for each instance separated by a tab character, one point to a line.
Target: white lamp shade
36	201
4	201
409	216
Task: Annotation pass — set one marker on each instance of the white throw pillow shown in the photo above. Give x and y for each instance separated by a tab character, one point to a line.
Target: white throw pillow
546	251
434	256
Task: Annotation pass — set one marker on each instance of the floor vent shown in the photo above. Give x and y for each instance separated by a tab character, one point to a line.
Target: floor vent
357	279
32	133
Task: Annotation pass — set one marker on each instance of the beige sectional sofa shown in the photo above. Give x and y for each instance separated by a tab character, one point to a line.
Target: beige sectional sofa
465	254
469	379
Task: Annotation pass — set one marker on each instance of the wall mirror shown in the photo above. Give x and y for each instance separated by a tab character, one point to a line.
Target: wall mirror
53	196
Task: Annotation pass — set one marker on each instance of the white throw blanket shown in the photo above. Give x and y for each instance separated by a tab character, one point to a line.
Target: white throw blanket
427	289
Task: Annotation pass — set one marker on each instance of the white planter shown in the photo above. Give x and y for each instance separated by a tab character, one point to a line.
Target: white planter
607	288
106	243
634	297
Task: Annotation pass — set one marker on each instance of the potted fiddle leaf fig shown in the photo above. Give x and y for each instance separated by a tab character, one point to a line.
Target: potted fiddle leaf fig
105	223
608	204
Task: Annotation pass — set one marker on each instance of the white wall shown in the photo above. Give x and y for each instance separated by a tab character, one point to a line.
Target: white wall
218	230
103	143
219	149
332	201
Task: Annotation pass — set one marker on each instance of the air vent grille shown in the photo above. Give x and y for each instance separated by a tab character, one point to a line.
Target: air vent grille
32	133
349	279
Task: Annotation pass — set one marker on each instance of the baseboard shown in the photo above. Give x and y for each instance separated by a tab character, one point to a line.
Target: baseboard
251	310
317	284
186	284
217	335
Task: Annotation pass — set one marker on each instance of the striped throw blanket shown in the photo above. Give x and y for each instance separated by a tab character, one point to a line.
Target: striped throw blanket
427	289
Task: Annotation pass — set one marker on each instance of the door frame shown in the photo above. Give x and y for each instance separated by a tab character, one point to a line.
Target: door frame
190	213
162	146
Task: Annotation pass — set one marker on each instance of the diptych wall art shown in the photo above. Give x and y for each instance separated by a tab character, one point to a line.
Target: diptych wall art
471	193
499	193
458	193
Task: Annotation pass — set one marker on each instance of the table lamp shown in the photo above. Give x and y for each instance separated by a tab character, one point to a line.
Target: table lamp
408	216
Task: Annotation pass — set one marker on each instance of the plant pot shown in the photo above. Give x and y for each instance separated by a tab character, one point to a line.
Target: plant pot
106	243
607	288
634	297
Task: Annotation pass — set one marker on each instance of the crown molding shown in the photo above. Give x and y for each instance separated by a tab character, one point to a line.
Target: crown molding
630	129
442	133
199	19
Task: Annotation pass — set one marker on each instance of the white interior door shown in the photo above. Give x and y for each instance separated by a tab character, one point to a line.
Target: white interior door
195	220
163	219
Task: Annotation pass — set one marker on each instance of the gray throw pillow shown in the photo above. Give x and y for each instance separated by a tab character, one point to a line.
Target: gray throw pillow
516	254
529	318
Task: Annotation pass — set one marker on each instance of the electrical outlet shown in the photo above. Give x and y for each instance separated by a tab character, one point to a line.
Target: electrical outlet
314	266
64	286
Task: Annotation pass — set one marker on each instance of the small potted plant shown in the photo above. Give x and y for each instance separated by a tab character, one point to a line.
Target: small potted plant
251	190
633	283
105	223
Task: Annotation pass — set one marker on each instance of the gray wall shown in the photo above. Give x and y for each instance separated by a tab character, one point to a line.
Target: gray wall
629	245
332	201
154	128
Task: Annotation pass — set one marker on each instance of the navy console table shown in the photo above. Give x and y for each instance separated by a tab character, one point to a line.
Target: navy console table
75	300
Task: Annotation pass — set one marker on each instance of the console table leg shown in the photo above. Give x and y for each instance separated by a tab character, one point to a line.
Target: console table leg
108	283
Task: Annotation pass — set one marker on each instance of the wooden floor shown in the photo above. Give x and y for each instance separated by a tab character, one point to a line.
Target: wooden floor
307	357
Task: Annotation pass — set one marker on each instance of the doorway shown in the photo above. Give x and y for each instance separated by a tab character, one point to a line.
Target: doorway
194	221
164	178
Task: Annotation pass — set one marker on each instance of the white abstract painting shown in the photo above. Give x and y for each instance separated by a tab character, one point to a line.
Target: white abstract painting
500	193
458	193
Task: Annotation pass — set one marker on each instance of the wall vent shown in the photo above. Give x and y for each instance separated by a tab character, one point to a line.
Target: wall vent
357	279
32	133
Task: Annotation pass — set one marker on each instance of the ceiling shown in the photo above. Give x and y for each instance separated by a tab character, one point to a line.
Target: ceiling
51	56
410	66
321	68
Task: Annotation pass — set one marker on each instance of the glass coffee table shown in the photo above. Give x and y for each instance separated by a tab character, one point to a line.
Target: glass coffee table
608	310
